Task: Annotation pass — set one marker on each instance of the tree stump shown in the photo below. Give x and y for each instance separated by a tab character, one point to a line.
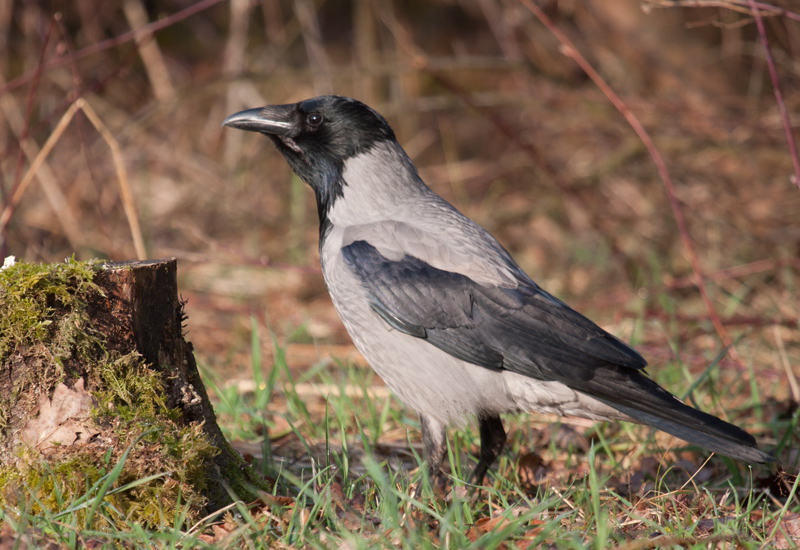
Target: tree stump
95	372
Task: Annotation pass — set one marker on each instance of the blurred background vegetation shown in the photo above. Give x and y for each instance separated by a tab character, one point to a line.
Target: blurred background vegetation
497	119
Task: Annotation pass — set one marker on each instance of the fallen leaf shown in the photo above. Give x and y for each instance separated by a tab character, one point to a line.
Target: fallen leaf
276	501
220	532
484	525
531	469
10	540
527	539
788	535
64	420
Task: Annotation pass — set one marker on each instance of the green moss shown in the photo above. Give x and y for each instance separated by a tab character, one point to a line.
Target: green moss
63	478
44	326
129	389
30	296
131	402
242	480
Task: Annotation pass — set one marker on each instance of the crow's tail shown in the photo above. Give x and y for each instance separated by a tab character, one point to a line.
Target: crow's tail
634	394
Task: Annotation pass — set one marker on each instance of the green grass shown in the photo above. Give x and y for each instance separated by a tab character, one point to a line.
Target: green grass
336	485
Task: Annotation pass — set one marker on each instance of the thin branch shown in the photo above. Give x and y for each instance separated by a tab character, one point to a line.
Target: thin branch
306	13
776	87
80	124
571	51
422	62
59	109
152	59
741	6
45	174
122	176
113	42
5	217
125	190
24	131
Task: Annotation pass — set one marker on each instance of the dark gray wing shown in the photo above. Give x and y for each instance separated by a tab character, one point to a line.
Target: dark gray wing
522	329
527	331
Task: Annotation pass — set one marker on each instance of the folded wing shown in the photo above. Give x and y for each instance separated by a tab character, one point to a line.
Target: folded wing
527	331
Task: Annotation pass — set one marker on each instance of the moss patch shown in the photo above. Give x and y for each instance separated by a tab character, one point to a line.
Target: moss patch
46	338
30	296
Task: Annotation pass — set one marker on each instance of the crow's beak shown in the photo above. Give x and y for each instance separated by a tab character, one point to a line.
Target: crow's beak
272	119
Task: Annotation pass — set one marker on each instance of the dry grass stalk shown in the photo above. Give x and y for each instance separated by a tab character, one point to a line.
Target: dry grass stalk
234	64
47	178
40	168
790	375
148	49
122	177
312	37
571	51
39	163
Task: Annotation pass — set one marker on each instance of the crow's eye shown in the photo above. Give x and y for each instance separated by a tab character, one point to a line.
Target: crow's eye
314	120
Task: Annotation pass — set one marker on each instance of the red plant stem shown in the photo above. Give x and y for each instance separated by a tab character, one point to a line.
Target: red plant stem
79	125
59	109
37	74
776	87
735	5
615	298
113	42
571	51
773	10
29	106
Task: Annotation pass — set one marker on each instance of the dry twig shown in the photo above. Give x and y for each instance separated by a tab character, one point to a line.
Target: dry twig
570	50
148	50
741	6
786	365
776	88
125	190
58	202
112	42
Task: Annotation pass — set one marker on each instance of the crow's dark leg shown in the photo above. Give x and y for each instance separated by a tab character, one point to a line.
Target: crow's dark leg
493	439
434	438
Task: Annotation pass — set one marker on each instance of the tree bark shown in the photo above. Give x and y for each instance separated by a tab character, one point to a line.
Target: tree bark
52	409
143	301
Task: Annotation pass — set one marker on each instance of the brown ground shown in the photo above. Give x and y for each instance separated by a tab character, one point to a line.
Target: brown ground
499	122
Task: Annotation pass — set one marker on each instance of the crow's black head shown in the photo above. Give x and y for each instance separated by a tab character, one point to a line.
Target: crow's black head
317	136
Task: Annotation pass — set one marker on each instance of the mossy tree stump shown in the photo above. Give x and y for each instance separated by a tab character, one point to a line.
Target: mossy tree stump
94	373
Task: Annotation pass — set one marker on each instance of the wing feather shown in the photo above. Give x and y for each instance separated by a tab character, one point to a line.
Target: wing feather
484	324
527	331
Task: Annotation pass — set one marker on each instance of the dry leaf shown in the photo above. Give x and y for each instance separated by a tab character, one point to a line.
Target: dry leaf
531	469
220	532
788	535
276	501
9	539
64	420
530	535
485	525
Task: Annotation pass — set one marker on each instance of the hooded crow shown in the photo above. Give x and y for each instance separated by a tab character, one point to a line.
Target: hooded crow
439	308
